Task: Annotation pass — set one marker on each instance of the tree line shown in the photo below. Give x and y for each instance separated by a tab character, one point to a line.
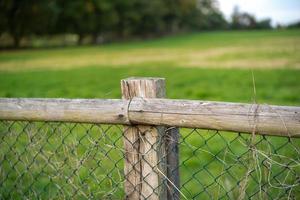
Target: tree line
111	20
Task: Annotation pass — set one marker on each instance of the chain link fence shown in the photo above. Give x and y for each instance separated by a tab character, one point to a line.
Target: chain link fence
44	160
226	165
53	160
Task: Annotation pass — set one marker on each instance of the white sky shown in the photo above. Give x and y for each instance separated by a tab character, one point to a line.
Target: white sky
280	11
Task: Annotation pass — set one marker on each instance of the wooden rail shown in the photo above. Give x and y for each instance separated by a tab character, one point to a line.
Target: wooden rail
110	111
237	117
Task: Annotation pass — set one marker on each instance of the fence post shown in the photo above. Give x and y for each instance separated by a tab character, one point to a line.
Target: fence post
172	149
146	149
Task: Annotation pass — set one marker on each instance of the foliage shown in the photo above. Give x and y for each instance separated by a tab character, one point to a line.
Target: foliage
294	25
25	17
244	20
109	20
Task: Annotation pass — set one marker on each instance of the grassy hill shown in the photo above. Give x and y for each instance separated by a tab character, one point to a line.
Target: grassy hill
210	66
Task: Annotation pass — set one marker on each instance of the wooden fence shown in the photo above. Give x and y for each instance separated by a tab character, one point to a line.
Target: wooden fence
144	106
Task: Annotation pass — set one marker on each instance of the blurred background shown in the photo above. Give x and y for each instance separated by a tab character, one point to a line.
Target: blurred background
32	23
207	49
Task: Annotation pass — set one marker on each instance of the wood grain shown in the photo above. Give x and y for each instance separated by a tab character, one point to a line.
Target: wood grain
223	116
113	111
145	165
237	117
172	148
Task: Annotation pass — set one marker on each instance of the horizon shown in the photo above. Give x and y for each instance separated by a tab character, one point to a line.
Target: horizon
280	12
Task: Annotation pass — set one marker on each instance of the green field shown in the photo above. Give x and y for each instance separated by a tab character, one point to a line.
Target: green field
208	66
222	66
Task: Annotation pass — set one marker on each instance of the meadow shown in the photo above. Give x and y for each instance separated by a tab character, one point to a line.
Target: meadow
233	66
207	66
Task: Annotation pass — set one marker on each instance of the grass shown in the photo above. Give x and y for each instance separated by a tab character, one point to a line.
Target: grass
204	66
208	66
257	49
277	86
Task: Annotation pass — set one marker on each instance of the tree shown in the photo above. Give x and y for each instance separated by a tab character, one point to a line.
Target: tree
174	12
243	20
76	17
150	18
105	19
294	25
204	15
26	17
108	19
264	24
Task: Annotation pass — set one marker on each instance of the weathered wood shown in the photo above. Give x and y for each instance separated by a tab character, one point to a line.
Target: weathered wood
237	117
65	110
145	162
172	148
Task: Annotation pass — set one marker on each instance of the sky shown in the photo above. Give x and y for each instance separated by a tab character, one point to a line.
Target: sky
280	11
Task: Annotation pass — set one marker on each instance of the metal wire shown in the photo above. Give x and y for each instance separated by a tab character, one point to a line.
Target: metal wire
223	165
54	160
42	160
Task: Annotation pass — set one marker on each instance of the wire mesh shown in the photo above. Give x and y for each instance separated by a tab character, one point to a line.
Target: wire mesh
43	160
225	165
54	160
